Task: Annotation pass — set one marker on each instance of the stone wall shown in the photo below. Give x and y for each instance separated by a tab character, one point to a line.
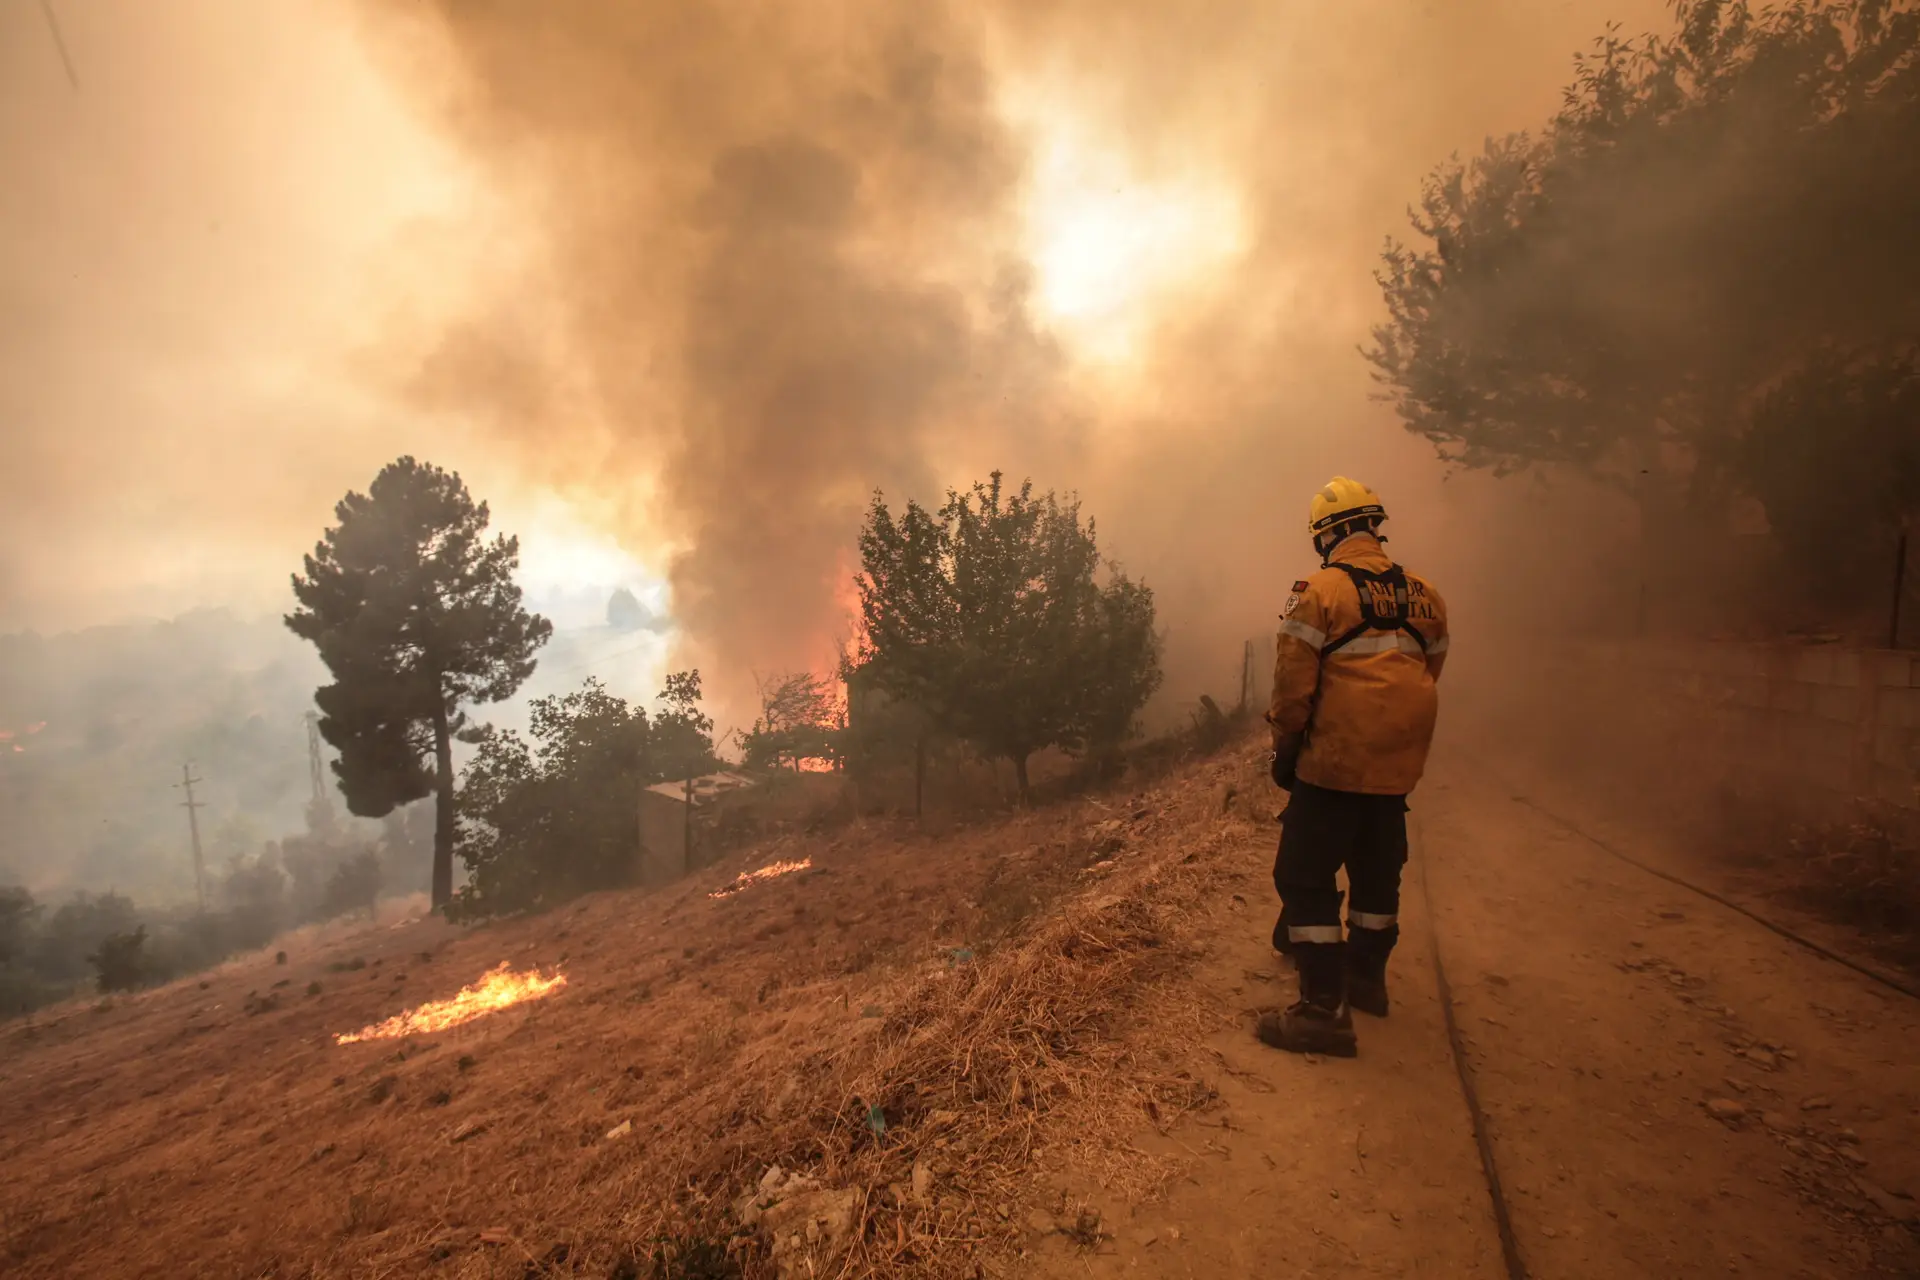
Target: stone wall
1845	721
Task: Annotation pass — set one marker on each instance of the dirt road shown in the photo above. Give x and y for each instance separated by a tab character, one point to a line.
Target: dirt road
1668	1088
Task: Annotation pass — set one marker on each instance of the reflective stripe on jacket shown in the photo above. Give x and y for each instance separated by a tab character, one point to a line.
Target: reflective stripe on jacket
1368	707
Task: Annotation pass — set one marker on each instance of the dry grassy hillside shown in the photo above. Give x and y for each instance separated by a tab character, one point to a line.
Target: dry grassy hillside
896	1028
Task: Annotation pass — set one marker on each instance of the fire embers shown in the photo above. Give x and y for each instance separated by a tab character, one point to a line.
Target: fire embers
499	989
747	879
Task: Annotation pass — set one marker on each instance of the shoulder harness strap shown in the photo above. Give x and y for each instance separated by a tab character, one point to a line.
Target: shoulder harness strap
1370	618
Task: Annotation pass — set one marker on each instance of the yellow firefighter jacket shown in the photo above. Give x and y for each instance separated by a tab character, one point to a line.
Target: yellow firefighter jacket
1360	683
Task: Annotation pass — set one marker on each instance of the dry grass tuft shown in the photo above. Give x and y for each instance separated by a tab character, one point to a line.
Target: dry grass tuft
945	1006
973	1063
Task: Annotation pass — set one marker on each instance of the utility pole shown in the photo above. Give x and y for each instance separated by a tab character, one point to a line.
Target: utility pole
1246	677
320	806
686	851
187	783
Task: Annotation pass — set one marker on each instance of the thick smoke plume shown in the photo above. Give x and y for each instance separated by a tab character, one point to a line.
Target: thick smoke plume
783	246
716	270
777	249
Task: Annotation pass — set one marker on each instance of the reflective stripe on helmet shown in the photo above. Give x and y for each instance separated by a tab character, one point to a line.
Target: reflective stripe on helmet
1314	638
1314	933
1347	515
1438	646
1371	920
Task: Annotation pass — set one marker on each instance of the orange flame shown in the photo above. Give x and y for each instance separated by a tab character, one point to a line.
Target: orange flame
498	989
8	735
747	879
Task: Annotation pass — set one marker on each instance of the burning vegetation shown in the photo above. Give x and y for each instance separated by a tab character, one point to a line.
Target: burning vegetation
500	988
747	879
847	1022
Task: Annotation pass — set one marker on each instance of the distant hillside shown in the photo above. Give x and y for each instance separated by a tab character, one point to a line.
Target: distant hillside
101	720
88	798
905	1010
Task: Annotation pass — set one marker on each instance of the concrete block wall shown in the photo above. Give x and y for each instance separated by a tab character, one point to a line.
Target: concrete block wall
1847	721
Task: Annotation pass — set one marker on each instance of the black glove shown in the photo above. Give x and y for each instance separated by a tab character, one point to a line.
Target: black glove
1286	756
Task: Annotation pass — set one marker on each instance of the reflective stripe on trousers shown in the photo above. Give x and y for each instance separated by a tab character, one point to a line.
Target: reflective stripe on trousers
1314	933
1371	920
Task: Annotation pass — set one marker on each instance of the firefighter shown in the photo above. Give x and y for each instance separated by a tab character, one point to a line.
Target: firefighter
1359	654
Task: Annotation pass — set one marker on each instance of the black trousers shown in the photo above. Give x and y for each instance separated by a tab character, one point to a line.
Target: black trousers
1325	831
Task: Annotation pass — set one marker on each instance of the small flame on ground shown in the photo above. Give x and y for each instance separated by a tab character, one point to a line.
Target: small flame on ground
499	988
747	879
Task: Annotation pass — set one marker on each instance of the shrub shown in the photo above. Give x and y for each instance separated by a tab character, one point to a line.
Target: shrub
122	963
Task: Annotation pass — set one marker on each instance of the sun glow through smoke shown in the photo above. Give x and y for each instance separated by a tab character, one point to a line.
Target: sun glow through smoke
1110	247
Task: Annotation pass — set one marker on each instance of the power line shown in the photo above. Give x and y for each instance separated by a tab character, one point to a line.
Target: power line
60	43
594	662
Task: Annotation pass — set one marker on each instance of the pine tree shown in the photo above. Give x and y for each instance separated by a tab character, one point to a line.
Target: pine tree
415	615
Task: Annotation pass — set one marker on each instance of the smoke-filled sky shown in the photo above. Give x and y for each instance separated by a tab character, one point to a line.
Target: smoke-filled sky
687	280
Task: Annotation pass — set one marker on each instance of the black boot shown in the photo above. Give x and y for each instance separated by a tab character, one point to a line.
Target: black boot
1368	995
1367	952
1319	1022
1308	1028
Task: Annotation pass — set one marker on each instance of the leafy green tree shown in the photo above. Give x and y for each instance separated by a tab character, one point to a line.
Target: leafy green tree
121	962
989	615
547	820
255	888
1119	669
682	733
76	929
508	826
1708	210
882	731
354	885
415	614
800	719
18	914
907	606
406	848
1852	425
308	861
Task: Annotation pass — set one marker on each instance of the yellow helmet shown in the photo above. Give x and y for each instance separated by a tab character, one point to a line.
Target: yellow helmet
1343	502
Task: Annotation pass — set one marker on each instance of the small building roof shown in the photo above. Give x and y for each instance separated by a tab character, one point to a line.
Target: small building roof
704	788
